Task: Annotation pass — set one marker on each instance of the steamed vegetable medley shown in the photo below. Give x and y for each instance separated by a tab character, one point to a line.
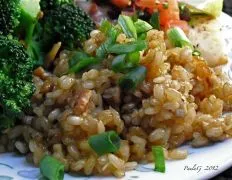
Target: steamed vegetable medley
97	97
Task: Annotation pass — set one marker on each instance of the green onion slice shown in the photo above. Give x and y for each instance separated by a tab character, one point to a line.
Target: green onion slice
119	64
83	64
123	63
196	53
80	61
133	58
142	26
127	26
165	5
142	36
132	79
105	26
112	35
77	56
178	38
159	159
51	168
155	20
107	142
128	48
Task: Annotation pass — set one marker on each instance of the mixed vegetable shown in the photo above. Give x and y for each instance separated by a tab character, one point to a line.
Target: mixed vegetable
26	35
38	25
171	13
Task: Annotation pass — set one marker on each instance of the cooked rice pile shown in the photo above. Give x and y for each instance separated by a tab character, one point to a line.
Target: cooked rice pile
182	100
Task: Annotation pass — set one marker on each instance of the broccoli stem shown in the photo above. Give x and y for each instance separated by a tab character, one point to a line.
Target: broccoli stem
27	24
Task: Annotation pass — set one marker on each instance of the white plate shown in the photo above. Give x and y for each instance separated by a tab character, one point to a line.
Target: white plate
202	163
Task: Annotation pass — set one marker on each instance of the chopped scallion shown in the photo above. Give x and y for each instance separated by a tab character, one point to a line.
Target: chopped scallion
112	35
128	48
101	52
105	26
155	20
132	79
82	64
118	64
196	53
134	17
178	38
124	63
142	36
77	56
133	58
51	168
165	5
127	26
159	159
107	142
142	26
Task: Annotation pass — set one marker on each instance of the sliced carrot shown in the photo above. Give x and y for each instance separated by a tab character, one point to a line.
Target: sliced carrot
151	4
121	3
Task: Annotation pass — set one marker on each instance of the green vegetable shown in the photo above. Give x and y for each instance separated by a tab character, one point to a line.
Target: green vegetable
9	15
123	63
159	159
76	57
133	57
142	36
112	35
165	5
119	64
81	61
127	26
107	142
127	48
155	20
142	26
51	4
196	53
15	78
134	17
105	26
19	18
178	38
18	14
51	168
132	79
68	24
83	64
210	7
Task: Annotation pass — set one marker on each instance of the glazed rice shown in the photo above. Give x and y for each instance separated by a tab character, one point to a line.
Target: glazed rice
182	100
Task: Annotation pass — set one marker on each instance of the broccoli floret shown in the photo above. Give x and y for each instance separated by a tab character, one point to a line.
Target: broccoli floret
19	16
16	86
9	16
51	4
20	19
66	23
